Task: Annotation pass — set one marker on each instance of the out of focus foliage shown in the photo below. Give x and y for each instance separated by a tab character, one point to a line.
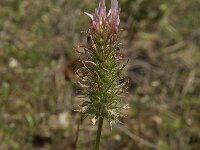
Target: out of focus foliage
38	39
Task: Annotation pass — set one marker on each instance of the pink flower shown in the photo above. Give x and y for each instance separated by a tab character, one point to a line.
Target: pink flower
100	19
114	15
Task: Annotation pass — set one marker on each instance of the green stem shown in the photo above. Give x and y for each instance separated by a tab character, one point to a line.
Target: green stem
98	137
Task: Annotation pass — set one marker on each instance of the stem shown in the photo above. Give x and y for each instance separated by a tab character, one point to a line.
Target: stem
77	134
98	137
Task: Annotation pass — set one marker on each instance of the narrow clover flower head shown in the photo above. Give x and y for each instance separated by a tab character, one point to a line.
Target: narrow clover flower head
100	78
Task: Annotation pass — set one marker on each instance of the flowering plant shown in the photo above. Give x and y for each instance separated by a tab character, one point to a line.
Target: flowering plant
100	77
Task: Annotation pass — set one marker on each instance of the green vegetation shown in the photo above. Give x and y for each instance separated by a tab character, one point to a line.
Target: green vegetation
38	39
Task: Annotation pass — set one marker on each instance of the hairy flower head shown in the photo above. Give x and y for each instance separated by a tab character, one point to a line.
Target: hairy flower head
100	77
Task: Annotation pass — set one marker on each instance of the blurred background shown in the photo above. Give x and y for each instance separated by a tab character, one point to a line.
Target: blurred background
38	42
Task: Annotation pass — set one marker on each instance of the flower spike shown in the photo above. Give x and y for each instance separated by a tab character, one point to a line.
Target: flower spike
101	79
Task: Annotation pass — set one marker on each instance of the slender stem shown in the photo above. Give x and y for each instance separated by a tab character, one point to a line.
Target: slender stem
98	137
77	134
